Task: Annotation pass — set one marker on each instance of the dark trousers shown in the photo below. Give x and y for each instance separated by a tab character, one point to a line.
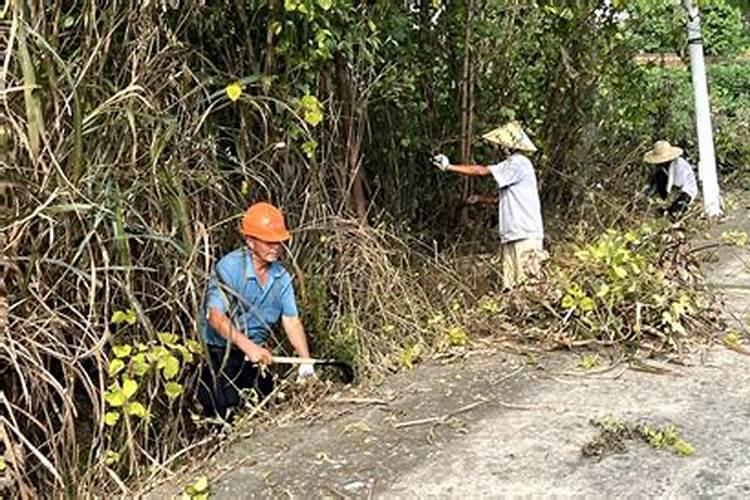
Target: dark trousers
679	205
222	378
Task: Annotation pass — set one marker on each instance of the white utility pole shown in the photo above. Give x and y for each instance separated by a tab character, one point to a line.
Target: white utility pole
707	163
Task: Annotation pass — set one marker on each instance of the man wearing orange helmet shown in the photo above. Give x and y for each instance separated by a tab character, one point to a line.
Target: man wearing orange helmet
249	290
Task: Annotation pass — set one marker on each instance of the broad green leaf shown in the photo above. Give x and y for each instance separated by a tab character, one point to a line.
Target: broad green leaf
173	390
187	356
115	397
323	39
603	290
312	110
309	148
291	5
735	237
115	367
457	336
313	117
732	339
171	367
158	355
68	22
683	448
620	272
194	346
489	305
568	302
325	4
129	387
588	361
128	317
140	364
587	304
136	409
234	91
111	457
111	418
122	351
201	484
168	338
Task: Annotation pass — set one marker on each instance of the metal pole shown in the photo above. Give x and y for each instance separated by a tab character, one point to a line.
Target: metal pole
707	162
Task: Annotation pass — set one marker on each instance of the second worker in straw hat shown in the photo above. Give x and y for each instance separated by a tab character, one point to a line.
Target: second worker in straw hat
670	171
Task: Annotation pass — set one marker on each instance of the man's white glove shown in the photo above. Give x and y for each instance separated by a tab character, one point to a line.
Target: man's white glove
304	372
441	161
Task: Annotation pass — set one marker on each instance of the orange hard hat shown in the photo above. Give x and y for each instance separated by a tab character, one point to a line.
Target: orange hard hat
265	222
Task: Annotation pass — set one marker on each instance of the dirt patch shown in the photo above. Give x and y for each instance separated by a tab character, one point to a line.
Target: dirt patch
613	437
615	434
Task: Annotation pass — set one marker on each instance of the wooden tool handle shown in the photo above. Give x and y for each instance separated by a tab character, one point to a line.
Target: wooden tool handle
290	360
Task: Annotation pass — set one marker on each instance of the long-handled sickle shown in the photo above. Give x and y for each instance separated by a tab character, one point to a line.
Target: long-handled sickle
345	369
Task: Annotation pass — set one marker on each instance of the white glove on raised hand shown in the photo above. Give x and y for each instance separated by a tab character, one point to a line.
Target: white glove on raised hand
441	161
304	372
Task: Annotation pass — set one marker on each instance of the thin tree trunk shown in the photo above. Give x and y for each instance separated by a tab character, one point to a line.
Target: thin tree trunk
467	84
270	49
467	95
352	160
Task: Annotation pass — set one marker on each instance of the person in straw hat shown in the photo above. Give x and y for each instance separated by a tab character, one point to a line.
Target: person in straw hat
520	216
671	170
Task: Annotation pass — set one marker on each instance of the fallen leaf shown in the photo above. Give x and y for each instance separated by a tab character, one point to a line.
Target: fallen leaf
234	91
360	426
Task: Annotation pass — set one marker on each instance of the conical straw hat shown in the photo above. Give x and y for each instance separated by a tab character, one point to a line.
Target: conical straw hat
662	152
510	135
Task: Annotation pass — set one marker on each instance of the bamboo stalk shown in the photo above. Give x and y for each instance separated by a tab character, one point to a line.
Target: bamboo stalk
34	117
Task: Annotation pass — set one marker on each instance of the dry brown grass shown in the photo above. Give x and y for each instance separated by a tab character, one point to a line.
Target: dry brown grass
124	191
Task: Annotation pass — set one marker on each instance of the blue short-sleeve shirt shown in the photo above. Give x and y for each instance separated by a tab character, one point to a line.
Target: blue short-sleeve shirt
235	290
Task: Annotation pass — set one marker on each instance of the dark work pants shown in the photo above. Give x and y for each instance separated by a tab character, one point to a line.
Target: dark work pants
679	205
223	377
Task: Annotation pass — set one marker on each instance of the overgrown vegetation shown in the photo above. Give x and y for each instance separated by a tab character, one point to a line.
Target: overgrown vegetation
133	135
614	434
658	27
632	289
